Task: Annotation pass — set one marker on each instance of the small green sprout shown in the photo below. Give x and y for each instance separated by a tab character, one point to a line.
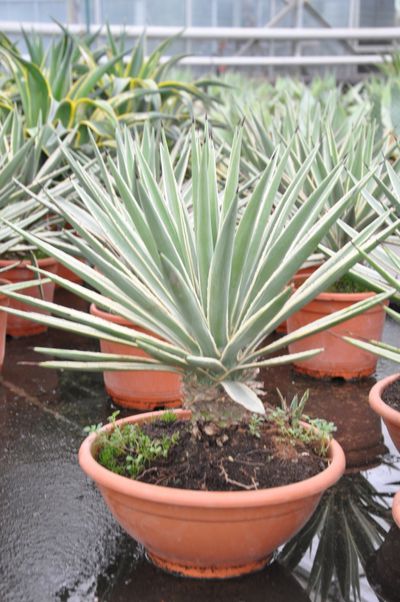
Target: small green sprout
290	420
114	417
254	425
168	417
92	428
127	450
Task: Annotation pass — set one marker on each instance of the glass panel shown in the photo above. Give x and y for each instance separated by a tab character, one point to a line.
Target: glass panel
52	10
17	11
335	12
170	13
118	12
201	13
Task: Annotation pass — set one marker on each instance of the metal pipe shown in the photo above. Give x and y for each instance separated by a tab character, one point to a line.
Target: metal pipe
212	33
290	61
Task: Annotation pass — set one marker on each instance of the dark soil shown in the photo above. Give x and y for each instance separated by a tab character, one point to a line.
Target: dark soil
391	395
230	459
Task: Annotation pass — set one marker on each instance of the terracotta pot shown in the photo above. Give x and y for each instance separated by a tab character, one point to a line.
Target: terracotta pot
68	275
390	416
4	302
17	326
396	509
209	534
306	271
339	358
137	389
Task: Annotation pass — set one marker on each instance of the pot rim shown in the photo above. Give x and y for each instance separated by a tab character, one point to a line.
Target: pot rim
100	313
396	509
22	263
207	499
332	296
351	297
378	405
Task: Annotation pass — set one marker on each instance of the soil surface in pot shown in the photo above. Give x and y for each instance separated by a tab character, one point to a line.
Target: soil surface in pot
348	284
391	395
231	459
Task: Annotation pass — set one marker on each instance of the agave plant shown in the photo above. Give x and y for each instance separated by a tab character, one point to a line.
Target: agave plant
211	284
386	263
347	138
31	216
72	85
24	160
379	266
360	149
25	169
275	113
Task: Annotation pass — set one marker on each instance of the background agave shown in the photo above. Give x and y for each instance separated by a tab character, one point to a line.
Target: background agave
74	84
25	169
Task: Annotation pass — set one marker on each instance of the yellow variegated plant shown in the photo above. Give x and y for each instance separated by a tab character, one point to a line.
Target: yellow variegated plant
72	85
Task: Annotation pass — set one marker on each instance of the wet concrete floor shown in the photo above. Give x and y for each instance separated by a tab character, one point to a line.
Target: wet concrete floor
58	541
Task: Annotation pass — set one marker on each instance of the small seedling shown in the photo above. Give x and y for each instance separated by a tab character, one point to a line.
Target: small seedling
92	428
114	417
254	425
290	420
127	450
168	417
95	428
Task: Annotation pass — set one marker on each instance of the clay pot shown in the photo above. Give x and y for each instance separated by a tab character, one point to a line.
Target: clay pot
390	416
68	274
4	302
339	358
208	534
303	272
396	509
137	389
21	327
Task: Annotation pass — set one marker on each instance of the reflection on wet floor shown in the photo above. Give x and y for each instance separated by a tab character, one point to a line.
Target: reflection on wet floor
59	542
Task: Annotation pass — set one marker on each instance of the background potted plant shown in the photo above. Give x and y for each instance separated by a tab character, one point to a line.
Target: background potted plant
359	152
25	169
343	129
84	85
